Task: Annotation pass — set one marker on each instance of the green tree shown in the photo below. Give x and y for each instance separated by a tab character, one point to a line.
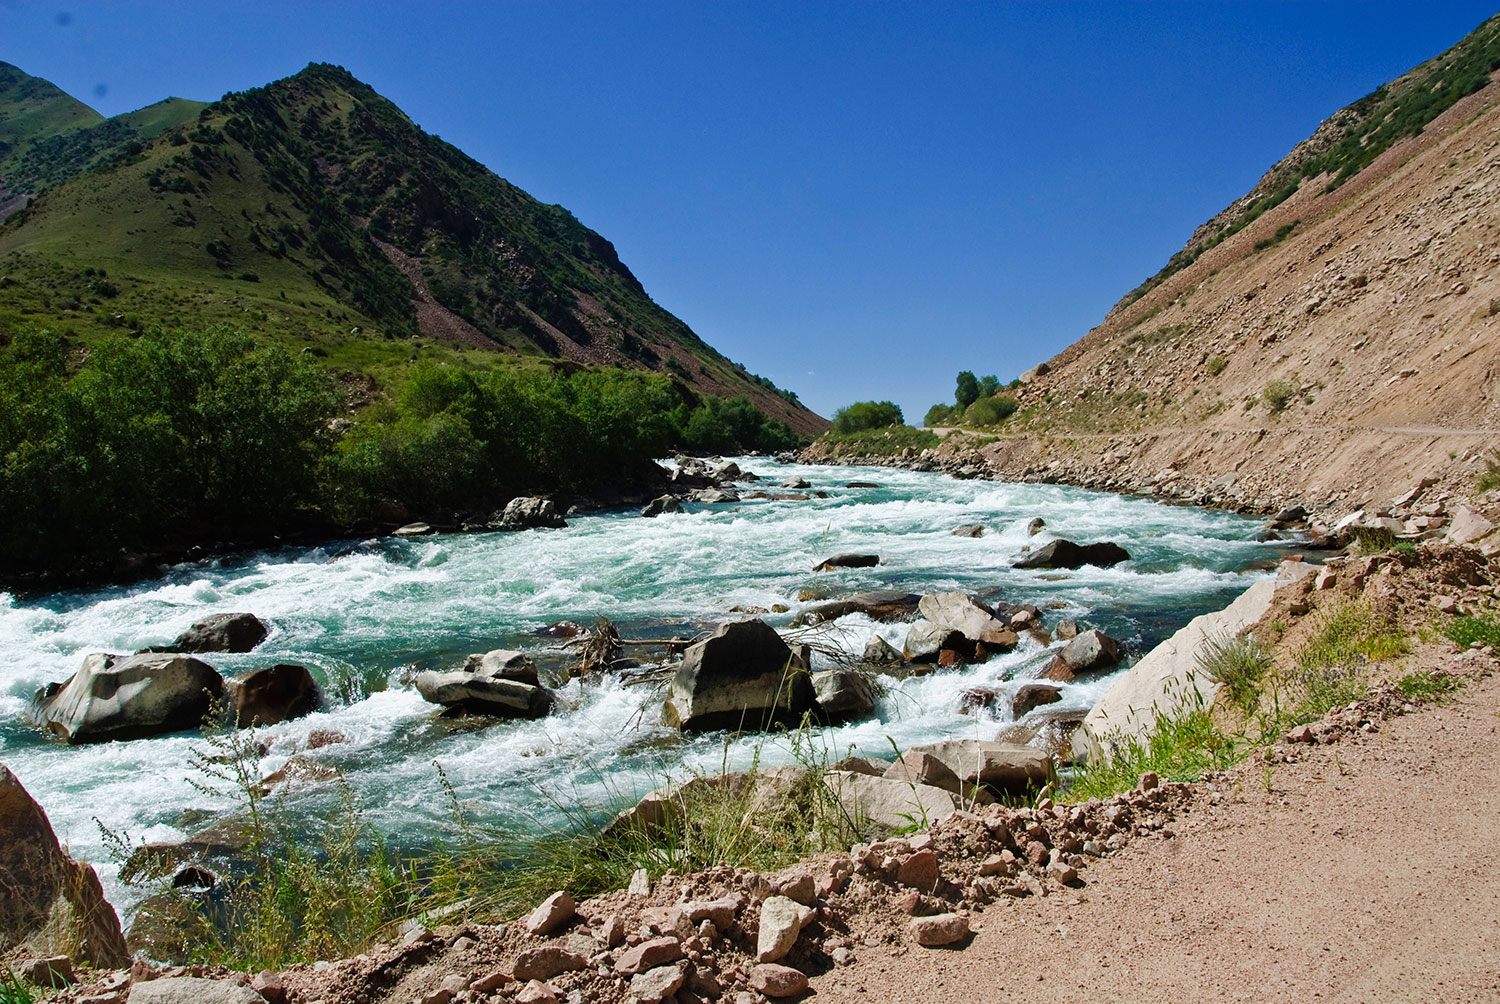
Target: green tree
989	386
940	414
866	415
967	391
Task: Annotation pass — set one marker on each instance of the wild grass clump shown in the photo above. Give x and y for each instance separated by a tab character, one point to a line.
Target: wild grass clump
1331	668
1182	747
1490	479
13	989
1467	630
1372	539
1278	394
1217	365
1427	686
1237	663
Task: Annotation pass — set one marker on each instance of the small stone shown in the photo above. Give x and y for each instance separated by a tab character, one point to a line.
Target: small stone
920	871
992	865
463	944
1301	734
494	981
1036	852
654	985
640	883
439	996
537	992
269	985
781	920
800	887
417	935
841	956
52	972
943	929
555	911
649	955
777	981
1149	780
1445	604
1063	872
548	961
612	931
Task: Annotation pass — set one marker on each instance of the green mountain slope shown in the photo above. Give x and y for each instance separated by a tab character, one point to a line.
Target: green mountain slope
314	211
33	109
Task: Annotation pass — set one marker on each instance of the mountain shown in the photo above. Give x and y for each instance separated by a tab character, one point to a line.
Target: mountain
1331	338
314	211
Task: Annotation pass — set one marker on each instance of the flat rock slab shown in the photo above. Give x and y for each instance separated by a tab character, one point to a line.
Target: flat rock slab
190	990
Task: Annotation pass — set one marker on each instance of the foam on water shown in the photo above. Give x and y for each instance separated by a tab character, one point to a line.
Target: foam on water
362	613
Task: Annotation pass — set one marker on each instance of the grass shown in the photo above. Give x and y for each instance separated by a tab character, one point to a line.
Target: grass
1427	686
14	990
1490	479
1217	365
1467	630
1182	747
1238	663
1278	394
881	442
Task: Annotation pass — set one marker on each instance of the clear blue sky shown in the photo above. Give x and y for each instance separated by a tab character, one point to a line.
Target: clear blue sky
856	200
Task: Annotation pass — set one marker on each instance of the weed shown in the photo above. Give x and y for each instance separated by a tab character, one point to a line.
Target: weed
1429	686
1351	632
1278	394
1181	747
1465	631
1373	539
1268	778
13	989
1217	365
1490	479
1238	663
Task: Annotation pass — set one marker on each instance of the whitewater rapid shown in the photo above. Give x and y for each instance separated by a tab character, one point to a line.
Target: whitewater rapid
364	614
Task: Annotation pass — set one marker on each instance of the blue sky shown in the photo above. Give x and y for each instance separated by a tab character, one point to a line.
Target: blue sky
856	200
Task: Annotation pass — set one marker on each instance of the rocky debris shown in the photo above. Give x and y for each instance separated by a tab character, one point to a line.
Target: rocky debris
743	676
968	530
1062	553
1090	652
553	912
502	683
781	921
130	698
847	561
222	633
880	605
270	696
1033	695
546	962
661	504
843	694
942	929
1467	526
529	513
269	985
193	990
656	985
537	992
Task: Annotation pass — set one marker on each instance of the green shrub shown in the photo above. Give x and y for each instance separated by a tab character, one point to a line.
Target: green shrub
882	442
1217	365
1465	631
990	410
1278	394
866	415
1182	747
1237	663
941	415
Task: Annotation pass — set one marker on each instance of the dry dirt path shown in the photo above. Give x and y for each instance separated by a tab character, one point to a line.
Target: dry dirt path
1368	873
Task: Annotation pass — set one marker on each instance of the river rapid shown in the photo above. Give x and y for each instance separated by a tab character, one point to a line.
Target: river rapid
364	614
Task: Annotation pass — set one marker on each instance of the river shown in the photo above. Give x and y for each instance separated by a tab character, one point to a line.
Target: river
363	614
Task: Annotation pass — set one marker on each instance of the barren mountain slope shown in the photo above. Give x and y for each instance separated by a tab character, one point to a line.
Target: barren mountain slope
1334	349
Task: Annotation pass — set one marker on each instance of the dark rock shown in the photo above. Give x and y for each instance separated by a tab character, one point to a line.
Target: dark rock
1033	695
1090	652
968	530
843	694
50	905
847	561
131	698
530	512
1291	514
797	484
661	504
881	605
742	676
500	683
1036	526
1066	554
861	484
269	696
925	641
222	633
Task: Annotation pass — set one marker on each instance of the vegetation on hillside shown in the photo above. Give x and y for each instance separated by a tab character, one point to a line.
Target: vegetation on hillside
866	415
201	436
976	402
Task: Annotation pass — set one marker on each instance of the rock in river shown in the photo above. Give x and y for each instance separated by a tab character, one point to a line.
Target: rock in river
222	633
129	698
843	694
1066	554
1090	652
528	512
741	676
499	683
277	694
847	561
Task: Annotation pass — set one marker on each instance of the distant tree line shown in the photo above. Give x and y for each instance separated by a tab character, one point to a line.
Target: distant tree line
976	401
175	438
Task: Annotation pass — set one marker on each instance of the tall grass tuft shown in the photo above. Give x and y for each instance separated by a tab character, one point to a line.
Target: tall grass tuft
1237	663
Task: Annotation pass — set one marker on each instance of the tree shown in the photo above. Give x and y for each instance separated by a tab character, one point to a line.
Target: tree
866	415
940	414
989	386
967	391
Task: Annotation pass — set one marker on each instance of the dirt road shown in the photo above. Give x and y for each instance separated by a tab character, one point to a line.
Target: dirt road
1368	873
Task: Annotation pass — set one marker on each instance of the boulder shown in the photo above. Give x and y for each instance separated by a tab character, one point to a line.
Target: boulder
741	676
222	633
192	990
715	496
968	530
781	920
413	530
50	905
795	483
883	804
500	683
955	611
879	604
269	696
553	912
726	470
1089	652
1067	629
1036	526
993	765
1033	695
1168	679
1066	554
530	512
920	767
129	698
847	561
879	652
939	930
843	694
661	504
1467	526
925	640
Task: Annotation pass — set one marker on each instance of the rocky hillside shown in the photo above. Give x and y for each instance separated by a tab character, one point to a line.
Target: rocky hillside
1329	339
314	211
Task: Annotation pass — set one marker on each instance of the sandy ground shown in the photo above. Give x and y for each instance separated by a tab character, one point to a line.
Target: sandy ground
1367	873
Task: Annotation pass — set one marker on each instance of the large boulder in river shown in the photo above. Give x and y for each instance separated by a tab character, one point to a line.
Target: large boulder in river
276	694
925	640
1090	652
130	698
843	694
50	905
222	633
661	504
528	512
847	561
1066	554
743	676
877	604
960	612
502	684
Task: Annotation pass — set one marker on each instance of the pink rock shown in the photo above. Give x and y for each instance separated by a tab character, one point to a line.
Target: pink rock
777	981
269	986
546	962
943	929
555	911
494	981
649	955
920	871
654	985
537	992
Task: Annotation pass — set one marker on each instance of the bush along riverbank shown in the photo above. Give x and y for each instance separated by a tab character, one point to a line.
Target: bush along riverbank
168	444
750	883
